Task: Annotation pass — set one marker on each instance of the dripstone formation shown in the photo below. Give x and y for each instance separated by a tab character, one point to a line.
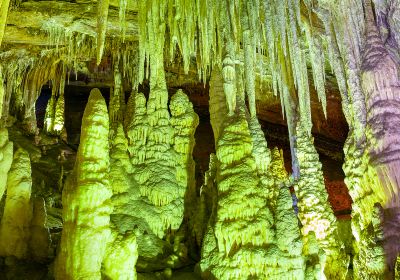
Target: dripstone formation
133	139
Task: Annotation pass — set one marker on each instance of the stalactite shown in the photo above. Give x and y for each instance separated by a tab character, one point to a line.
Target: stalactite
15	223
6	158
86	221
122	17
315	212
116	96
336	62
217	105
102	17
349	19
317	59
249	49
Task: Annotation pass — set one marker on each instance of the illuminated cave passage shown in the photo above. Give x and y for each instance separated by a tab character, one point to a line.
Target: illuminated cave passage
238	139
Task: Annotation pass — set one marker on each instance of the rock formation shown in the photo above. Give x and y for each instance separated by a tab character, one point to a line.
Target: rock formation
6	157
138	199
315	213
86	199
15	223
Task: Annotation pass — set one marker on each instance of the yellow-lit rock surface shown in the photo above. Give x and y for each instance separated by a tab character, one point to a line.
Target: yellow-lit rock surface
86	199
15	223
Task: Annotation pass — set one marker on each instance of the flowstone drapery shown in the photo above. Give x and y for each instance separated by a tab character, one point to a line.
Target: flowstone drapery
86	199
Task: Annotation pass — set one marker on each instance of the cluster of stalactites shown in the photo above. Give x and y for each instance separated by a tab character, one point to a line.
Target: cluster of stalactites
26	74
315	212
199	28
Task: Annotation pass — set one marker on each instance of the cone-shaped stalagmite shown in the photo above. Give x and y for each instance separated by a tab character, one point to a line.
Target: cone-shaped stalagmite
235	245
122	251
86	205
14	228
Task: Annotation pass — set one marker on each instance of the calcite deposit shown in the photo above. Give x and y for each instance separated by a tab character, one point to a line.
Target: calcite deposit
172	139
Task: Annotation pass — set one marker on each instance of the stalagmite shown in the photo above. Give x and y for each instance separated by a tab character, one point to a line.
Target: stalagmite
59	117
49	116
15	223
315	258
119	162
315	213
6	158
260	151
121	257
288	236
132	204
242	226
87	209
40	240
184	121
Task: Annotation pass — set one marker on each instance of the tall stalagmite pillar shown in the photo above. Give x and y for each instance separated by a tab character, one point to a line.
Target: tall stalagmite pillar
15	224
86	205
315	212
